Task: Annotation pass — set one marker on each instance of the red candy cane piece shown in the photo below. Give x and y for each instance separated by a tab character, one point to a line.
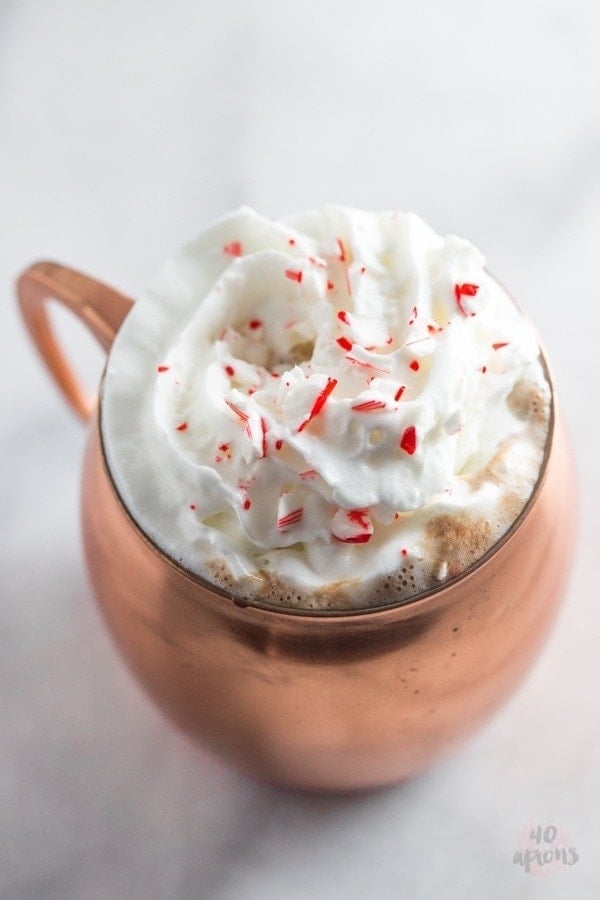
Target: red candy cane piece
233	249
352	526
369	406
319	403
408	441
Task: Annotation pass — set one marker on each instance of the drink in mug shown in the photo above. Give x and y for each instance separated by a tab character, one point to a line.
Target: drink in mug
337	411
343	424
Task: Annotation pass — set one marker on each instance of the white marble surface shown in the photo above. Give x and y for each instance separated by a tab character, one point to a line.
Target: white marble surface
126	126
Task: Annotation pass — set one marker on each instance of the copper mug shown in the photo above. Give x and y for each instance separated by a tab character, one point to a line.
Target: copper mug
306	699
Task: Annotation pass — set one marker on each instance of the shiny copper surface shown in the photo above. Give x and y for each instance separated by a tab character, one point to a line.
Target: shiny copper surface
98	306
333	702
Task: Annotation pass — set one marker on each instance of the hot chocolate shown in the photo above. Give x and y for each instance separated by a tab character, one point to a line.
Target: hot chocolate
334	411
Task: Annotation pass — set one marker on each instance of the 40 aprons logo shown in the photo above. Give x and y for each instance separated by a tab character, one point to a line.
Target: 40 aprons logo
544	849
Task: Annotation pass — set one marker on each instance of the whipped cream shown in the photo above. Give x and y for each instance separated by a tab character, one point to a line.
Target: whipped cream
335	410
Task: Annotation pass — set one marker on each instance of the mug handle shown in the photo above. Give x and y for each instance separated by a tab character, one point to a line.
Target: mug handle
98	306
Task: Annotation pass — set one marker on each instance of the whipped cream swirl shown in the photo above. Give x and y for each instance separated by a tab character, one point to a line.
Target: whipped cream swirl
343	380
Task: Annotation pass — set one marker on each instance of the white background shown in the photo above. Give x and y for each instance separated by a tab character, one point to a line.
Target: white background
125	127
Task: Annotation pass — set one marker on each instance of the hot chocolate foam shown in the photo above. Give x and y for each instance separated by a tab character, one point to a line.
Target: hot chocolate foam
337	410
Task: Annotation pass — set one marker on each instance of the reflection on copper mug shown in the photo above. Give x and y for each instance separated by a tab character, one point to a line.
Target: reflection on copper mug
306	699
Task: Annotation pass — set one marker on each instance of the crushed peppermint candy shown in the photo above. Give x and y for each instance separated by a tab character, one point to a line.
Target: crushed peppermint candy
292	518
352	526
460	292
264	429
294	275
288	513
408	441
319	403
369	406
242	416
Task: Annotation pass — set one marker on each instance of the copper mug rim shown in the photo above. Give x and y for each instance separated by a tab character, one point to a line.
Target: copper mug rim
103	309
